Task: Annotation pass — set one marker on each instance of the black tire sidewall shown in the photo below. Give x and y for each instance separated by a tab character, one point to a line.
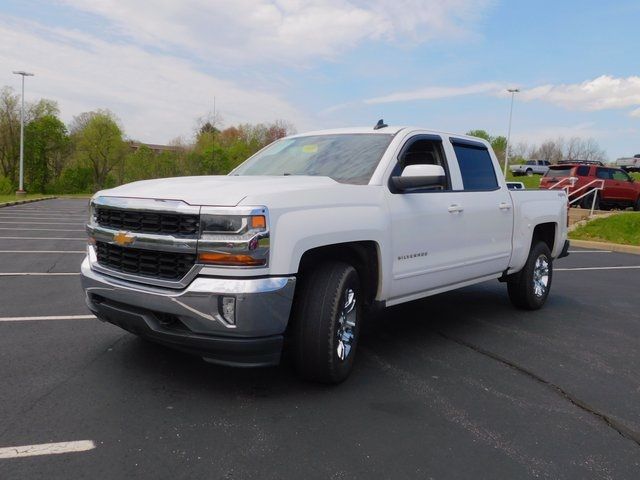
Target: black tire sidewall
315	322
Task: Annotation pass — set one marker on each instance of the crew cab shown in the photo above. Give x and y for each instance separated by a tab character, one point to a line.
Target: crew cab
615	187
298	243
530	167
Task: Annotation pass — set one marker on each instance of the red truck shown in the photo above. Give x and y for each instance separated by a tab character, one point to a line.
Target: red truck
618	189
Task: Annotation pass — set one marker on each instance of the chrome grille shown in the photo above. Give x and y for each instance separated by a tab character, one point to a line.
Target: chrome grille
147	263
161	223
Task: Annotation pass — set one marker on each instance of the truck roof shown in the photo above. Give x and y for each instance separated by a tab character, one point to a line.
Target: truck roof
389	130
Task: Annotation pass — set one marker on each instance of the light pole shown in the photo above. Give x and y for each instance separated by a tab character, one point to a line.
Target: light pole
513	92
21	187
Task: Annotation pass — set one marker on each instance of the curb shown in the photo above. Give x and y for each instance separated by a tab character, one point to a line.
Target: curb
614	247
20	202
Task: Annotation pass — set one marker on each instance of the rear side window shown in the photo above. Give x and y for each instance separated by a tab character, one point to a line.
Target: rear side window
557	172
476	167
620	176
583	171
603	173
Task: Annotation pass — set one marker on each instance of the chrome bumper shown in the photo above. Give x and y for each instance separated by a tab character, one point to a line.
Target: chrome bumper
192	316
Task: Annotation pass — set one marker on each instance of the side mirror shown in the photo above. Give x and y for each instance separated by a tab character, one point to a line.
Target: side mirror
420	176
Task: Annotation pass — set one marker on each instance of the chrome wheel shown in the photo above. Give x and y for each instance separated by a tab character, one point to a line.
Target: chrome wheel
345	333
541	276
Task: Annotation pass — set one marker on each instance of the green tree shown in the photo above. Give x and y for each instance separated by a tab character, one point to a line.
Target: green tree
46	150
480	134
9	133
99	142
499	145
139	165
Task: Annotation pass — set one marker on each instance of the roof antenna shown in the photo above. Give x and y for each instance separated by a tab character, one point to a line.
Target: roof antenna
380	125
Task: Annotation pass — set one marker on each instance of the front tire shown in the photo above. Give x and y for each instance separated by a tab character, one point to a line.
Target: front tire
326	322
529	288
529	172
636	206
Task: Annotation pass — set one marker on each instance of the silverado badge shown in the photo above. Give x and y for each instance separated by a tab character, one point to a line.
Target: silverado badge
123	239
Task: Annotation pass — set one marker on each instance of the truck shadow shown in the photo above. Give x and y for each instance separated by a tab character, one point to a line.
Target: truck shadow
392	335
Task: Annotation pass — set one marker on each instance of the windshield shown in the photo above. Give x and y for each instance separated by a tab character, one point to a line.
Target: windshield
347	158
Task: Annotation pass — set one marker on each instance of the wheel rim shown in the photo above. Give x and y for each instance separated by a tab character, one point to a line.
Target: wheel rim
541	276
345	333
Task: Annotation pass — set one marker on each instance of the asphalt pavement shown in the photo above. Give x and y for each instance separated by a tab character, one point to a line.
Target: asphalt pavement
456	386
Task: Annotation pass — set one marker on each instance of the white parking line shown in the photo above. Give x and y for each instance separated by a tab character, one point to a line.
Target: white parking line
590	251
625	267
57	317
45	229
37	274
79	239
41	223
41	216
47	449
42	251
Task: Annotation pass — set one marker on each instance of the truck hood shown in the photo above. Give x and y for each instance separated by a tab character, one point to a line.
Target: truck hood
220	190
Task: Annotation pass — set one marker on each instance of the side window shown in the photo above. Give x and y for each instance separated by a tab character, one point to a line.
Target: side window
620	176
476	166
583	171
423	150
603	173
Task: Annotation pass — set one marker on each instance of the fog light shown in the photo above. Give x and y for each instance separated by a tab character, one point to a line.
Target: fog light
228	308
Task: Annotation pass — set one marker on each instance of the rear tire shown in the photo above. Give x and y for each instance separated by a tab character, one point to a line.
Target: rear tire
529	288
588	201
636	206
529	172
326	322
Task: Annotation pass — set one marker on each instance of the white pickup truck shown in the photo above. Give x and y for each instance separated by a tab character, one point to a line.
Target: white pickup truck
308	235
530	168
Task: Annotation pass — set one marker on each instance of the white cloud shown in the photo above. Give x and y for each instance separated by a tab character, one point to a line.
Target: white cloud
602	93
157	96
283	30
433	93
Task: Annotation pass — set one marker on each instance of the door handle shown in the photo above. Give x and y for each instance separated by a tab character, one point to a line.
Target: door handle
504	206
455	208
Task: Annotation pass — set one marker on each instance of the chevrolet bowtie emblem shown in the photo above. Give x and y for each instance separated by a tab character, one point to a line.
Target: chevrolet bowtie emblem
123	238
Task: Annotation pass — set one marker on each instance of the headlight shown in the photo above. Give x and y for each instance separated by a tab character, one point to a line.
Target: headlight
92	214
238	240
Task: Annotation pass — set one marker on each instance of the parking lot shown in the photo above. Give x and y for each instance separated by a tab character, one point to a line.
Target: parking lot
459	385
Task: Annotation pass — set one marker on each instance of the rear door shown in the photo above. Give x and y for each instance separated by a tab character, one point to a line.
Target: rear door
488	209
610	192
625	186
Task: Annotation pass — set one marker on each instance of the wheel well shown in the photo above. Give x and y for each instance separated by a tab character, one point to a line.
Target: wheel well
363	256
545	232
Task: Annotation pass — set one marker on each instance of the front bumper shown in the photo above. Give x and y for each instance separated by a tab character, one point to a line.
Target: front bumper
191	320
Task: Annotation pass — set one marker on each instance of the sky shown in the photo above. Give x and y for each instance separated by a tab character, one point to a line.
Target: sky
439	64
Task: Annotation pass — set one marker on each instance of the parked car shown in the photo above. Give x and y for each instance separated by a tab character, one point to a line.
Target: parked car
530	167
308	235
631	164
619	190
